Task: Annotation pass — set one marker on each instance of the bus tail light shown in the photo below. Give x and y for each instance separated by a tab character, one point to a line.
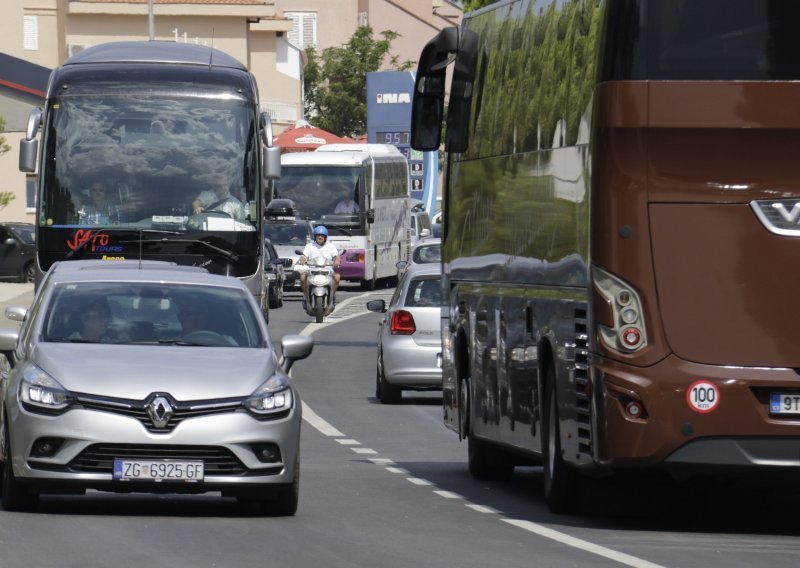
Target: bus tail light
628	332
402	323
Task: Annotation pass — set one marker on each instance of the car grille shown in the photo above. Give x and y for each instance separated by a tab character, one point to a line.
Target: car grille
99	458
138	409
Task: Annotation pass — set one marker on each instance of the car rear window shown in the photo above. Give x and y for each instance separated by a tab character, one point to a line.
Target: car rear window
427	254
424	293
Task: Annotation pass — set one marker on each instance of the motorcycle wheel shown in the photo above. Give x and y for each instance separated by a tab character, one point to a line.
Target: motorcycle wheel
319	311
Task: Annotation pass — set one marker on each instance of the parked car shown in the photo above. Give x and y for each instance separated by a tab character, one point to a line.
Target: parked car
154	379
273	268
288	236
17	252
426	251
409	336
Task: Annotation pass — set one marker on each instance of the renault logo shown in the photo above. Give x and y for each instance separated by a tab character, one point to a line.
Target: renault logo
160	411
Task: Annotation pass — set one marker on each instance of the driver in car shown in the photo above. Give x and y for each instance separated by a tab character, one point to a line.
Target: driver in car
219	198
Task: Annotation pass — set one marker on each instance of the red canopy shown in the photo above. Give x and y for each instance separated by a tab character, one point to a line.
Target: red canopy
307	138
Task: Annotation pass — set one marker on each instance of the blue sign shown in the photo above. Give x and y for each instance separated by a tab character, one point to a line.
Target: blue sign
389	95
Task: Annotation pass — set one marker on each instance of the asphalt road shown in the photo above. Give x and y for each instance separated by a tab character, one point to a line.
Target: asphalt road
388	486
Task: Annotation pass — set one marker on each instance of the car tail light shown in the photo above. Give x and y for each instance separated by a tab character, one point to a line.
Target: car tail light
355	257
402	323
627	334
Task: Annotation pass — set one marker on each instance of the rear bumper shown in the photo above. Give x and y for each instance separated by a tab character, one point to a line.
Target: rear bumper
407	364
738	433
352	267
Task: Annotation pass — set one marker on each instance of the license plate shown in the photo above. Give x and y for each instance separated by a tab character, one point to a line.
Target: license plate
157	470
785	403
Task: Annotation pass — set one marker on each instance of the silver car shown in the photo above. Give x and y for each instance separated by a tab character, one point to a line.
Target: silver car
409	338
147	377
426	251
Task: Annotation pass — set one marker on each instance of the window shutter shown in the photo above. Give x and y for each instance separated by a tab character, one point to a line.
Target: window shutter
310	30
30	32
304	29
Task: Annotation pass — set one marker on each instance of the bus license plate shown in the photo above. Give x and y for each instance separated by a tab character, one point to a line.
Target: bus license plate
157	470
785	403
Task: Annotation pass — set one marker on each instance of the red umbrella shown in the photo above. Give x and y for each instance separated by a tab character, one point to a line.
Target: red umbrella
306	138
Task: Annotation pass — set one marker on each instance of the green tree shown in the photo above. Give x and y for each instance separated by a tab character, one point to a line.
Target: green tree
336	81
470	5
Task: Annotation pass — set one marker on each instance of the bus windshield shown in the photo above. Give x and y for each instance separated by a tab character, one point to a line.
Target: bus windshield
143	161
329	194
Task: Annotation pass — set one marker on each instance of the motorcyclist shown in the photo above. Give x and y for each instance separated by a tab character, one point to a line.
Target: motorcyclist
320	248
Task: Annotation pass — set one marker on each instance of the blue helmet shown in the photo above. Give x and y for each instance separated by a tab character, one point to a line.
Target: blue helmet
321	231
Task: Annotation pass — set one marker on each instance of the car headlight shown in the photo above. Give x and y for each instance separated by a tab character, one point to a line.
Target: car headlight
39	391
273	396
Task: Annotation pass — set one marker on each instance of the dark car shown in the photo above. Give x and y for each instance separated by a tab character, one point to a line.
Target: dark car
17	248
288	236
273	267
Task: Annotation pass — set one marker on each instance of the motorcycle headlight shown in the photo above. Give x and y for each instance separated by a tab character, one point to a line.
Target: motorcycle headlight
272	397
38	391
319	279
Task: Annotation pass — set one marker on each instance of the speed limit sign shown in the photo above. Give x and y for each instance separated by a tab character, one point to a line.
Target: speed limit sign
703	396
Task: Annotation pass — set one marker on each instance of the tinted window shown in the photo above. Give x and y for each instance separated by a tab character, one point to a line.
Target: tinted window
26	234
288	234
703	40
152	314
424	293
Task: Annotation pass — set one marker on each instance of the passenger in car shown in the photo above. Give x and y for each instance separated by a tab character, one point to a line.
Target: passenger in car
94	319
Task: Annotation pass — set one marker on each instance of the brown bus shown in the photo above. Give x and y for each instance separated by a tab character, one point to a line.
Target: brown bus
621	235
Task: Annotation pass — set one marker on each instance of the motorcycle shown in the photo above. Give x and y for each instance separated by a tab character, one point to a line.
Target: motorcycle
319	286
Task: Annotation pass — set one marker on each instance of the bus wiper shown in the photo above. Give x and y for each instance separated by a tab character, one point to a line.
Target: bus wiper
230	255
342	230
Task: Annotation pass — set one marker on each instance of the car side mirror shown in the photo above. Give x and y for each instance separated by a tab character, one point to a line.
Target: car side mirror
378	306
294	347
424	233
401	264
10	242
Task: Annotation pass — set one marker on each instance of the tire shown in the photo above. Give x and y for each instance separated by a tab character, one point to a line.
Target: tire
368	285
464	406
15	496
29	273
385	392
319	311
280	296
562	484
286	498
486	461
273	299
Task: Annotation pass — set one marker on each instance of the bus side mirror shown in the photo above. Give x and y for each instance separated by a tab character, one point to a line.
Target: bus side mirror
29	147
271	163
371	216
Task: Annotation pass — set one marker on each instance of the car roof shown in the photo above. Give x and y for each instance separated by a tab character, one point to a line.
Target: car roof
425	269
135	272
428	241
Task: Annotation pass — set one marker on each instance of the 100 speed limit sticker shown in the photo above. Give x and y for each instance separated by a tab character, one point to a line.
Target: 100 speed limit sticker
703	396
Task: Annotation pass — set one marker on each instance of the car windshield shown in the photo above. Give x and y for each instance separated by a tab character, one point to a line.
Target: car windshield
157	314
288	234
428	254
424	293
26	234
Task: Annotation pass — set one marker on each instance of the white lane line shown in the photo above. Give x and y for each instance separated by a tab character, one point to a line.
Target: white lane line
348	442
314	420
418	481
483	508
581	544
448	494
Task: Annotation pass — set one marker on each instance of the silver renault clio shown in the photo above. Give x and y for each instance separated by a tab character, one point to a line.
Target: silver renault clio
147	377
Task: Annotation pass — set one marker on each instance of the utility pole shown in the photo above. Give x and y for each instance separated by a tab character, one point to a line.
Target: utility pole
151	20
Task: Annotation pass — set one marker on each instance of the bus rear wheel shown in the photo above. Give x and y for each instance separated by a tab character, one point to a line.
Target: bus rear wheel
562	484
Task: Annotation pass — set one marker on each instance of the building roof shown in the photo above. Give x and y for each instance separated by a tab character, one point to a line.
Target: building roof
23	76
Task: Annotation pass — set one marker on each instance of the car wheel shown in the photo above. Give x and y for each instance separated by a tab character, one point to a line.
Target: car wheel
29	273
273	298
562	484
15	496
285	498
386	393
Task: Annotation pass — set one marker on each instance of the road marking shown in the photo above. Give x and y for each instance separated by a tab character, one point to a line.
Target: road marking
328	430
314	420
448	494
581	544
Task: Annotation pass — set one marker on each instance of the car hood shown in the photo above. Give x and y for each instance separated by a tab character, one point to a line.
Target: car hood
136	371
